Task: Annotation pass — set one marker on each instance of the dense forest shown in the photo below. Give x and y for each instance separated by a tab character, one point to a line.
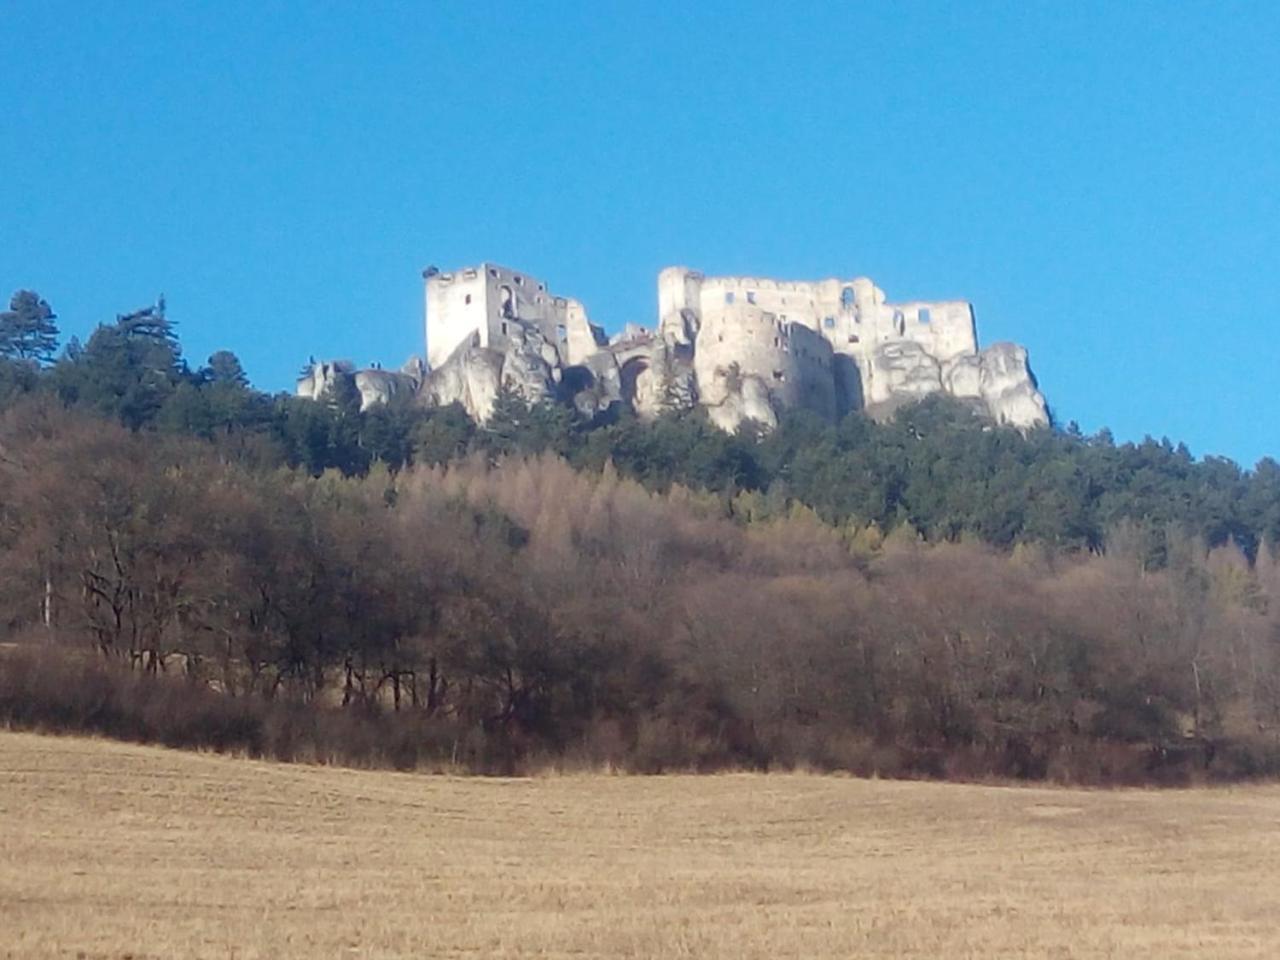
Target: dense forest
186	559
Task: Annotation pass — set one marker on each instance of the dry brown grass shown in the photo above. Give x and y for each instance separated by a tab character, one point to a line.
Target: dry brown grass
111	850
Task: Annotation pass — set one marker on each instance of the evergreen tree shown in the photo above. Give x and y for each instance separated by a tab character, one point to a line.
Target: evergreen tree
233	404
387	432
27	329
224	367
442	434
127	370
505	428
17	379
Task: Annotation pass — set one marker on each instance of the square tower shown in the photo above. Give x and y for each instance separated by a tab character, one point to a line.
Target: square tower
486	305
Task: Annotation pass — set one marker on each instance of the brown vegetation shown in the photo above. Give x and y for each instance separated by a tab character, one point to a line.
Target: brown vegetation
111	850
500	616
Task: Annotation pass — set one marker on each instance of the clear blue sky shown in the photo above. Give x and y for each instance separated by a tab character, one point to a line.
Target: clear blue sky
1101	179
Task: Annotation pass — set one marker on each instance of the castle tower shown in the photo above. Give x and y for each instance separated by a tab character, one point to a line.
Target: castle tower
485	306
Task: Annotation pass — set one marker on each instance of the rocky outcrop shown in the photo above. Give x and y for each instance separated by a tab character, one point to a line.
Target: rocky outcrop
997	380
474	375
663	381
382	386
1009	389
962	377
901	372
595	386
641	372
471	377
733	398
531	366
374	385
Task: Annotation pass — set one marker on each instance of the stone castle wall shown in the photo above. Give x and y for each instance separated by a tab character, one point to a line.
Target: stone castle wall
482	303
745	348
742	347
852	315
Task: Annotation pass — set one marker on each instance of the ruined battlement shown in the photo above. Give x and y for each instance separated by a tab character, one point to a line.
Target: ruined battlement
743	347
481	303
853	315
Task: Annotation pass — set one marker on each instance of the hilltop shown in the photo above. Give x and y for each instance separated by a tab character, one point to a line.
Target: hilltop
930	593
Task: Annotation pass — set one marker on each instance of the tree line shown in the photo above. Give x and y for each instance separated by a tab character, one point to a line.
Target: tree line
183	558
935	468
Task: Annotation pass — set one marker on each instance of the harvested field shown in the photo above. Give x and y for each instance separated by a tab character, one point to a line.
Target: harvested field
113	850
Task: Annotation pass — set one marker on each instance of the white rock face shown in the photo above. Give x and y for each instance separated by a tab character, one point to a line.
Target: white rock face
732	398
381	386
665	385
902	371
593	386
962	377
1009	389
531	366
375	386
472	377
648	393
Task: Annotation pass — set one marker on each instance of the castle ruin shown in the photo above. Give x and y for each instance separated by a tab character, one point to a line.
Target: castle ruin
744	348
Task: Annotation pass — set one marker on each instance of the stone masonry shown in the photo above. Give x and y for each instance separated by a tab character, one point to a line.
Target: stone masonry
744	348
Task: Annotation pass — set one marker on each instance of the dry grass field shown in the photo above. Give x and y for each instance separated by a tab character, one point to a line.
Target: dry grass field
112	850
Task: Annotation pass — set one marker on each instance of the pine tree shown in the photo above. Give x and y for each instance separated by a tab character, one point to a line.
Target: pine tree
27	329
224	367
127	370
506	424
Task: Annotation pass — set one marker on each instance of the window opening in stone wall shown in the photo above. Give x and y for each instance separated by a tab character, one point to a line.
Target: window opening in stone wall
467	298
853	338
899	323
828	322
562	332
751	296
493	272
508	302
846	298
777	375
728	297
924	315
520	280
504	329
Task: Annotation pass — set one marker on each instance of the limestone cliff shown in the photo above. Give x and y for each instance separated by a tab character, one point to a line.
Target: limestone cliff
373	385
473	375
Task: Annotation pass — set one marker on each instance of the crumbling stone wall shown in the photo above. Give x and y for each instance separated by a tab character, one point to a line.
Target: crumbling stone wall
744	347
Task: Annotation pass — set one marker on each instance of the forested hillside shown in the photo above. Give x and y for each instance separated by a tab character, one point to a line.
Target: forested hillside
936	468
183	558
